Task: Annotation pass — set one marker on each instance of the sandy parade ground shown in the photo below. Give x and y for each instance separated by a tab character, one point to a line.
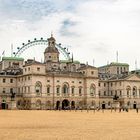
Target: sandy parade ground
69	125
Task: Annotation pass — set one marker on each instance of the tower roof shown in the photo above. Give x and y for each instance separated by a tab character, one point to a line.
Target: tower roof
51	38
51	50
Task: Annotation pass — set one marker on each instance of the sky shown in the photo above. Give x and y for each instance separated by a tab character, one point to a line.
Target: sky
93	30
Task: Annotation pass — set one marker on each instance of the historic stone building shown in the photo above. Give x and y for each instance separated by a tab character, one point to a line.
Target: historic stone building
53	84
57	84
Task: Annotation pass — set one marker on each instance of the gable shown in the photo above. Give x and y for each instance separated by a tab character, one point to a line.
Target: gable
133	78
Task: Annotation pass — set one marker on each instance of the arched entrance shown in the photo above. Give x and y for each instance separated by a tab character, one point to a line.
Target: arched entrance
134	105
65	104
103	105
4	105
58	105
73	105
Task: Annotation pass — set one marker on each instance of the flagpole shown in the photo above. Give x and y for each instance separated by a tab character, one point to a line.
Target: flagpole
11	50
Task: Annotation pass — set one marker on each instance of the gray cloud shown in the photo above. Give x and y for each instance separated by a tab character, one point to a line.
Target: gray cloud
101	47
66	28
25	9
33	10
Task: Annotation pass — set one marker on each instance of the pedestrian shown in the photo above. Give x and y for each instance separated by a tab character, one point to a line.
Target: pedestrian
137	110
120	109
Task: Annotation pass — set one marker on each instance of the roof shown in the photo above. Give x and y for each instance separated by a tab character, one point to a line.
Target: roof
13	58
67	61
51	50
86	67
118	64
33	62
115	64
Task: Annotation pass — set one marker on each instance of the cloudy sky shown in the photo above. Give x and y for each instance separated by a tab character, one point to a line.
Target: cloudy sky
91	29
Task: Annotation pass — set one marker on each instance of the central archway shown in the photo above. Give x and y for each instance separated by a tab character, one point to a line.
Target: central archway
65	104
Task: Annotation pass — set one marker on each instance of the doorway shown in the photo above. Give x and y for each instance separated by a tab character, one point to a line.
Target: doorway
73	105
4	106
103	105
58	105
134	106
65	104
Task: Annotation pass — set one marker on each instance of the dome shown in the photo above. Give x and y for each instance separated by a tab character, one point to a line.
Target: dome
51	50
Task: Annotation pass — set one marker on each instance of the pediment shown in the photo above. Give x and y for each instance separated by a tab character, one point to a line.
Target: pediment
133	78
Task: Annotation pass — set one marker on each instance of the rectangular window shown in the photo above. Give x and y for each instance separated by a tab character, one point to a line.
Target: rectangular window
111	93
4	80
38	69
120	93
11	90
57	90
28	77
80	91
72	90
3	91
99	93
48	89
11	80
28	89
92	72
104	84
18	90
120	83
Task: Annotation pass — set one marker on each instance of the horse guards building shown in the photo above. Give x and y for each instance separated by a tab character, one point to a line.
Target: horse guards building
67	84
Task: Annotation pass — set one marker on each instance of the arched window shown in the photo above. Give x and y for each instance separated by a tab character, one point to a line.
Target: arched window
65	89
128	89
134	91
80	91
38	87
58	90
72	90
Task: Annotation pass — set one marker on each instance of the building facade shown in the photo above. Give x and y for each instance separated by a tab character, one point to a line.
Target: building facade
67	84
